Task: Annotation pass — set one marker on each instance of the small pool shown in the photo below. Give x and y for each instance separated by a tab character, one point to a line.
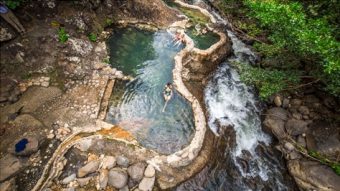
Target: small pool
137	105
203	41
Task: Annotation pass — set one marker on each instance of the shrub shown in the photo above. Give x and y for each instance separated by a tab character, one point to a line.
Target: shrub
92	37
63	36
13	4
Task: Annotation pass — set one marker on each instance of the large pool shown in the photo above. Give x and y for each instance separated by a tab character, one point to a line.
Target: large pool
137	105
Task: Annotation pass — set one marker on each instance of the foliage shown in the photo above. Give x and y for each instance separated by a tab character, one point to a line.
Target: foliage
251	29
292	30
62	35
106	60
108	22
92	37
267	82
13	4
324	160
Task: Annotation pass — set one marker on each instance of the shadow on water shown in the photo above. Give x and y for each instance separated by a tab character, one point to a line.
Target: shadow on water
137	105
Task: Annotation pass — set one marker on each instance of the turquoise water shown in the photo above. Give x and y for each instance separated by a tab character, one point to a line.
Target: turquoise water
137	105
203	41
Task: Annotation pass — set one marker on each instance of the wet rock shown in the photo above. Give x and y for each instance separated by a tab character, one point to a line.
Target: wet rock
83	181
136	171
103	179
296	127
9	165
117	178
123	161
146	184
69	179
149	171
310	175
108	162
8	185
29	148
274	121
90	167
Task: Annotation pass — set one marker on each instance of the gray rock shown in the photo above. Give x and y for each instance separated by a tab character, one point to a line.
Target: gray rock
69	179
278	101
123	161
301	141
295	102
304	110
103	179
83	181
90	167
278	113
289	146
125	188
8	185
136	171
296	127
108	162
5	34
149	171
275	127
9	165
146	184
117	178
31	147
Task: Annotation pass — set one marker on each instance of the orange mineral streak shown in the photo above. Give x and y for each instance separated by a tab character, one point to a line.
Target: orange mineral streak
117	132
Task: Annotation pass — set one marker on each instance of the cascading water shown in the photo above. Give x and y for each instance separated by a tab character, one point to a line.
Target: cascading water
230	103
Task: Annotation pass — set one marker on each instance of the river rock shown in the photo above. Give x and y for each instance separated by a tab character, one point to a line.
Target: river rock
31	147
136	171
274	121
9	166
303	110
149	171
123	161
8	185
125	188
90	167
117	178
69	179
108	162
83	181
103	179
278	101
146	184
310	175
296	127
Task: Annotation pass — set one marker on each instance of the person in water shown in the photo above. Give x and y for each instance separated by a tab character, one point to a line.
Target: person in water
168	89
9	16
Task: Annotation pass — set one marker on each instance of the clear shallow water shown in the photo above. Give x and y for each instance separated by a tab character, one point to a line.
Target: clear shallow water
137	105
203	41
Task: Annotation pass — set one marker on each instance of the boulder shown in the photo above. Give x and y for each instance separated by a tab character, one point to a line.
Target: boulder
136	171
9	165
296	127
149	171
123	161
90	167
108	162
146	184
310	175
103	179
24	146
83	181
117	178
278	101
274	121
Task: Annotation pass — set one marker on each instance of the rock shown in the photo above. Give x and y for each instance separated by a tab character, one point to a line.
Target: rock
275	127
8	185
83	181
278	101
296	102
289	146
103	179
278	113
9	166
80	46
19	147
117	178
45	84
98	66
90	167
296	127
297	116
301	141
285	103
310	175
5	34
146	184
123	161
119	74
136	171
294	155
149	171
69	179
304	110
125	188
108	162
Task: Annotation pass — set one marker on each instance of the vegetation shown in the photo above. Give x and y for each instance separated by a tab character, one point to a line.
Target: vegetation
92	37
62	35
324	160
13	4
300	37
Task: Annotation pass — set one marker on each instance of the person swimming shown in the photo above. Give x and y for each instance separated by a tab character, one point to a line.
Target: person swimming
167	94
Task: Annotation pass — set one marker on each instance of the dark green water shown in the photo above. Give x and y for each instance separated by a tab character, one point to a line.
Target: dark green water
137	105
203	41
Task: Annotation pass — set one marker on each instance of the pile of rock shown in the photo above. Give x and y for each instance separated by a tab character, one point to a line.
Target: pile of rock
9	91
40	81
108	171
